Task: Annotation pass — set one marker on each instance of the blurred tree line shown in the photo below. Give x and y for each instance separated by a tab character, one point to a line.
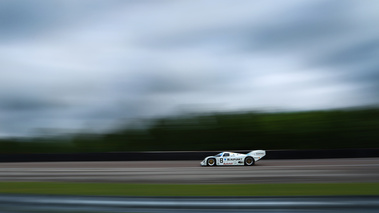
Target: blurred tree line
331	129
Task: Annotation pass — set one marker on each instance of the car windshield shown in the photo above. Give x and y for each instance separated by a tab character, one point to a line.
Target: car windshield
218	155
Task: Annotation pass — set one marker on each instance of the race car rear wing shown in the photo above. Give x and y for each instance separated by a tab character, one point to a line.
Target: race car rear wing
257	154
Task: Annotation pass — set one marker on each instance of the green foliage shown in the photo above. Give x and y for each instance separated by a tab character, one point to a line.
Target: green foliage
334	129
131	189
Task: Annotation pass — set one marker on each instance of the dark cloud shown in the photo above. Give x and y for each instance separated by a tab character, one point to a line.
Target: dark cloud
357	63
27	104
302	27
30	19
24	19
361	53
298	27
158	84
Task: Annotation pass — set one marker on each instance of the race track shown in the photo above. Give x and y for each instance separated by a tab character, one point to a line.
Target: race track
265	171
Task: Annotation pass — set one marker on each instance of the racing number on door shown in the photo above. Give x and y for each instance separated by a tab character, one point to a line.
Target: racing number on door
221	160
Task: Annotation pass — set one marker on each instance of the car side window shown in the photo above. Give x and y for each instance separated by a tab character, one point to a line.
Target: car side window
226	155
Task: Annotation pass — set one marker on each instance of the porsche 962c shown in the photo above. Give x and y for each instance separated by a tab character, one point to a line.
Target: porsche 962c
234	159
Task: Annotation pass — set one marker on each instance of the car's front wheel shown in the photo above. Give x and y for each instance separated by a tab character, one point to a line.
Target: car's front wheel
249	161
211	162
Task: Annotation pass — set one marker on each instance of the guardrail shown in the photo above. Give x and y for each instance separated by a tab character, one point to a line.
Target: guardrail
24	203
193	155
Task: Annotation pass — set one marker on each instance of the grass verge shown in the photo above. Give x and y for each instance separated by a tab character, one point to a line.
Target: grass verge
125	189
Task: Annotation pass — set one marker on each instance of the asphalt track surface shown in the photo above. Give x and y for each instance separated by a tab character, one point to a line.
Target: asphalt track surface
189	172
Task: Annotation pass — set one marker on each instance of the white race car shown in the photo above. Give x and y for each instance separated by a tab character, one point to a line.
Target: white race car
233	159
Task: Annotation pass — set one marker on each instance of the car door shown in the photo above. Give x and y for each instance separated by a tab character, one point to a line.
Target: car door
225	159
234	159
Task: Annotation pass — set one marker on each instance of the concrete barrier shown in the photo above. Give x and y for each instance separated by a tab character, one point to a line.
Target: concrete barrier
33	203
193	155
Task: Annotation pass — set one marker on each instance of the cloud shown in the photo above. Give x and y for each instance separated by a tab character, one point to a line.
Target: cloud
90	64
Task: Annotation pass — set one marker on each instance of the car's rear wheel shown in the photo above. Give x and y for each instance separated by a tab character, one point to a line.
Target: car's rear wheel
211	162
249	161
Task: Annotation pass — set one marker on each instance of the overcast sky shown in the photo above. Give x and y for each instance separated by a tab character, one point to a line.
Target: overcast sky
90	64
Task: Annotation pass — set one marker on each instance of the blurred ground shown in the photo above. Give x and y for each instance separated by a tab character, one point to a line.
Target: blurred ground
265	171
82	204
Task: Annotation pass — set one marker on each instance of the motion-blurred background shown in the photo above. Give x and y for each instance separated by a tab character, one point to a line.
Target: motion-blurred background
99	76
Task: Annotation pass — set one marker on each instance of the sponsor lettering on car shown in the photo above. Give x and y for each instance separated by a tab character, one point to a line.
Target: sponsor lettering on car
229	159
